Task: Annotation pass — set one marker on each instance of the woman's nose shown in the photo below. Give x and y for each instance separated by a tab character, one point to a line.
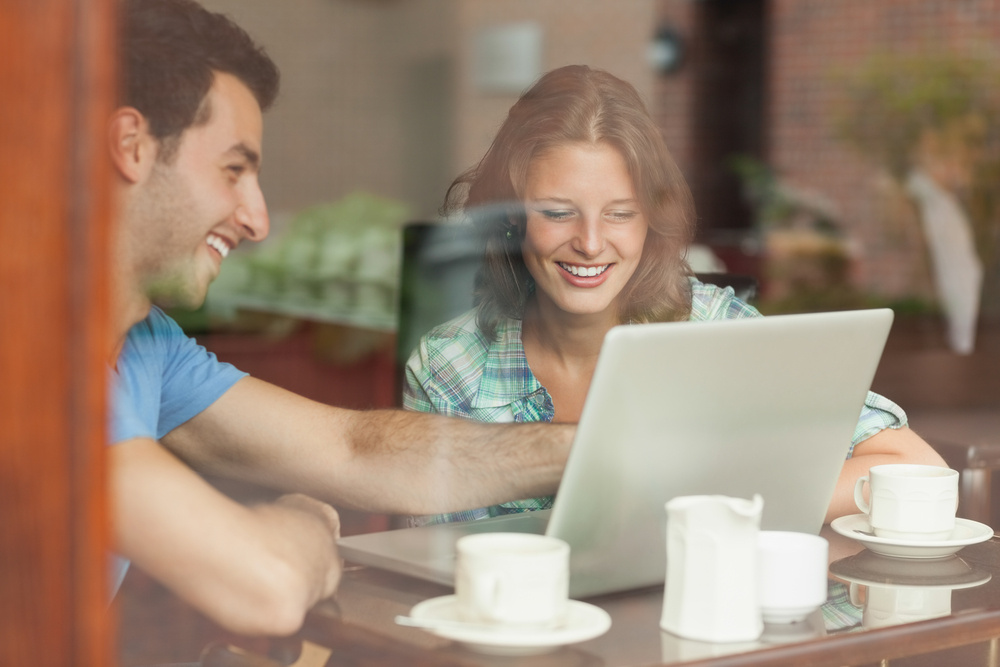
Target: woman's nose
590	237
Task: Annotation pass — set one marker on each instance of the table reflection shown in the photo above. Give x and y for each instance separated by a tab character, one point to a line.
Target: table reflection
676	649
885	591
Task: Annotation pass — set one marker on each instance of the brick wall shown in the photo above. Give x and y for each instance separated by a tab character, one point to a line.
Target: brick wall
810	42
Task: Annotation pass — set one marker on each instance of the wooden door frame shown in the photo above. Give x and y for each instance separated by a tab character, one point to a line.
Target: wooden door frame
57	83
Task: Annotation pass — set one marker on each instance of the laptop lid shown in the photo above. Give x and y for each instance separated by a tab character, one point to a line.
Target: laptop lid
735	407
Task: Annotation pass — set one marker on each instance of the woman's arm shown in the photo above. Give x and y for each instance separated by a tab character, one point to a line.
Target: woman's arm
890	445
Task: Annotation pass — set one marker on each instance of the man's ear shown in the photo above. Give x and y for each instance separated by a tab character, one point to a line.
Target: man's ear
133	149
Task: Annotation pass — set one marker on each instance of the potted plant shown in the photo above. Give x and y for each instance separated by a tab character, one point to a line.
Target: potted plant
933	124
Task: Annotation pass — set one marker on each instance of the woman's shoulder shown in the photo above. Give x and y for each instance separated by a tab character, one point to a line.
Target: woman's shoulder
450	362
711	302
456	343
462	330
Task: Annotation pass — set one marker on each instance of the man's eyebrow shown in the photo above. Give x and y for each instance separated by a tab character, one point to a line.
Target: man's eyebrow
249	154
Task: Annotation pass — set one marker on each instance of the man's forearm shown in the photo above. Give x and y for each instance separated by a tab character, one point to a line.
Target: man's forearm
438	464
389	461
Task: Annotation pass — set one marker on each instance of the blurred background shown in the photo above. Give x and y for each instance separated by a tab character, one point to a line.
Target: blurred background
800	125
845	154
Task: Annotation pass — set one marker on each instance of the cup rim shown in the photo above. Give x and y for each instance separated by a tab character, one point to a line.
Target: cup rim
912	470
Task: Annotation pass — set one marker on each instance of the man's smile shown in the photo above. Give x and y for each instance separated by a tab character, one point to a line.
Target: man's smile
219	244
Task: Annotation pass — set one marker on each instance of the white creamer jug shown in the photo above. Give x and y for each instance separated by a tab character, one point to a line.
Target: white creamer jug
711	586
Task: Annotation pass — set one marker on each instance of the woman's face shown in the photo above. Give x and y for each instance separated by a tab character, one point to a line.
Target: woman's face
585	229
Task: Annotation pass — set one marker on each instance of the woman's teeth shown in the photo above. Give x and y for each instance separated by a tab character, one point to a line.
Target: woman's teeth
585	271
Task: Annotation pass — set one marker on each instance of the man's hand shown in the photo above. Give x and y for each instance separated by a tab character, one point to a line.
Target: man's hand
331	519
253	570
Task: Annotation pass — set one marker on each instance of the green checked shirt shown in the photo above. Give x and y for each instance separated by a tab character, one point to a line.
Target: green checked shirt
456	371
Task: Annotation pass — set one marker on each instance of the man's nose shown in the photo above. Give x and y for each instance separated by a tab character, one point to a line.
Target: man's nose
251	214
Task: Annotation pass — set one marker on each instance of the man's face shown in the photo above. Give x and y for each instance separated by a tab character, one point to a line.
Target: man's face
191	211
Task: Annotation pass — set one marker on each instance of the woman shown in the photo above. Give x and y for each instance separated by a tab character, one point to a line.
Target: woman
594	222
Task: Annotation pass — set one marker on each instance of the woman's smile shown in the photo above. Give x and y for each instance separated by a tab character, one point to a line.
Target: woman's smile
585	231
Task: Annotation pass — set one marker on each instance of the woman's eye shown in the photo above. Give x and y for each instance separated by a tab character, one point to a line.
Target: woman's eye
557	215
236	170
622	216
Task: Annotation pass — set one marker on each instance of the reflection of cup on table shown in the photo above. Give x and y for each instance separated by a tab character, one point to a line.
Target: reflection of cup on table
512	579
787	633
884	606
791	578
870	568
909	502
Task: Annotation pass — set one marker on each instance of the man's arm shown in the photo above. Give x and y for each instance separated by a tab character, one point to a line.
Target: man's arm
890	445
388	461
253	570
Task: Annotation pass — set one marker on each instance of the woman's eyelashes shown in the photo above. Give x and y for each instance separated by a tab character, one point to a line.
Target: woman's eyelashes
622	216
557	215
614	216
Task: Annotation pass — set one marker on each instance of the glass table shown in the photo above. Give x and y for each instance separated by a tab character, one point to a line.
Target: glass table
880	608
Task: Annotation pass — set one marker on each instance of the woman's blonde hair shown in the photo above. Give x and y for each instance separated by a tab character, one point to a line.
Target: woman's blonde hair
570	105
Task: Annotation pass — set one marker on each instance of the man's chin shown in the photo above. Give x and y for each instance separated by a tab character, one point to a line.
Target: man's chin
172	294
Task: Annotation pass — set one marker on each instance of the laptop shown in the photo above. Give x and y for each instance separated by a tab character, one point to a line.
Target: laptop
736	407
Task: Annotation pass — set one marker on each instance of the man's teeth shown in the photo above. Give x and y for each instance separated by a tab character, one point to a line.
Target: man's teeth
586	271
219	245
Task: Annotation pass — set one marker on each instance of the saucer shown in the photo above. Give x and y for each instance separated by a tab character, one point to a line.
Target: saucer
583	621
966	532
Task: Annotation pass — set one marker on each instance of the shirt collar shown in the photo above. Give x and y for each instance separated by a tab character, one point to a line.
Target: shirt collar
506	375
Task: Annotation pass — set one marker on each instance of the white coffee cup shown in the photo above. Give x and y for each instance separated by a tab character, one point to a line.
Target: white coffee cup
512	579
792	569
909	502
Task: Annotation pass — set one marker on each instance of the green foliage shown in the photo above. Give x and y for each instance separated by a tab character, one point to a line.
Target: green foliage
891	101
778	205
760	189
334	262
355	238
941	111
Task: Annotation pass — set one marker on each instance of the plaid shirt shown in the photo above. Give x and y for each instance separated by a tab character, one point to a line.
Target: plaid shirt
456	371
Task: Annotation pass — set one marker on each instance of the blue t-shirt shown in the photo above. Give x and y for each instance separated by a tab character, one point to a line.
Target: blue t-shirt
163	378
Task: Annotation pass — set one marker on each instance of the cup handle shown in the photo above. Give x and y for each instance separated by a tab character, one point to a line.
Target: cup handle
859	496
855	596
492	595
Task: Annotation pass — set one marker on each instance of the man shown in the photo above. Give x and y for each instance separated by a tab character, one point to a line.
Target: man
186	149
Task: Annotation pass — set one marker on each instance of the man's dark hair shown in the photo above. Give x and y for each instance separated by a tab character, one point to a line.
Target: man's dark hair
171	50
